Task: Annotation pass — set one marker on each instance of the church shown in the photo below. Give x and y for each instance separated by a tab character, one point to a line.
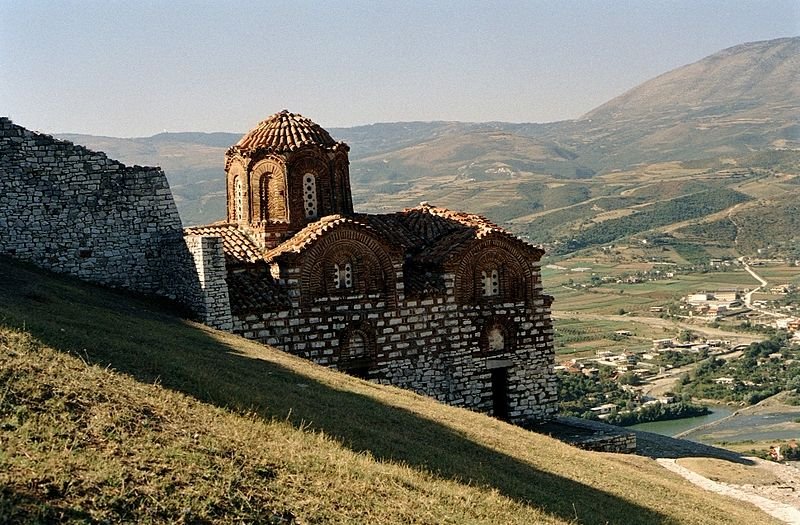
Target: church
441	302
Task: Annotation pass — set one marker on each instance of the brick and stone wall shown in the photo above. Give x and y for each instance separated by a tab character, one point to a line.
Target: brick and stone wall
72	210
430	345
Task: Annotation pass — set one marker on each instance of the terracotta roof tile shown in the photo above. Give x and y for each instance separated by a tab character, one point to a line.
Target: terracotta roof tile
429	234
423	217
284	132
238	247
302	239
253	292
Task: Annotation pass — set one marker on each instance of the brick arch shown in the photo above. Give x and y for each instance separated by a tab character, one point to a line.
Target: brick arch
236	170
515	272
358	349
268	180
373	271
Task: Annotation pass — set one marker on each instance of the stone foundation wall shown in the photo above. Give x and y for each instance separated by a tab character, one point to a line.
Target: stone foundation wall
428	345
72	210
596	435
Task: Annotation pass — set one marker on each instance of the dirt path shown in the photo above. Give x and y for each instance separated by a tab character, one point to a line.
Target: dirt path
779	501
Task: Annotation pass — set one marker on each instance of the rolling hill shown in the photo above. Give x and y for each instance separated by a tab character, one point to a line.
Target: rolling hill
112	409
727	121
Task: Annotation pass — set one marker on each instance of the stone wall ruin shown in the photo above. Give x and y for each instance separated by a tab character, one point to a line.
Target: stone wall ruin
71	210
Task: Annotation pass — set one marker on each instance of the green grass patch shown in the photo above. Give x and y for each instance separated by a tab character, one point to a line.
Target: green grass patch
112	409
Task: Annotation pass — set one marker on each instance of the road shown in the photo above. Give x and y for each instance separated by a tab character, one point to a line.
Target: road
748	297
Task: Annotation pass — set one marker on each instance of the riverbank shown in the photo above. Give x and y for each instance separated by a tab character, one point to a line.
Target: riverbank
771	419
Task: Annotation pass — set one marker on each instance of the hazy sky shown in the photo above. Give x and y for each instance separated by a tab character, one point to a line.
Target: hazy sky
135	68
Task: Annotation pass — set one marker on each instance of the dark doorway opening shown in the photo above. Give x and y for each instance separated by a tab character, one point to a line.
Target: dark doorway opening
500	393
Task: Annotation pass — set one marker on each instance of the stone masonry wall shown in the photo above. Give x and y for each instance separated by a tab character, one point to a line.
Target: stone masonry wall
75	211
427	345
213	304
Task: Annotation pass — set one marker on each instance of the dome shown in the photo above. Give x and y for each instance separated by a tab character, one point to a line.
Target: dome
284	132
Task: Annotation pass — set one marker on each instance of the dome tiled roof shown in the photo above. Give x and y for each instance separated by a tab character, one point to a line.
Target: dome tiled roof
284	132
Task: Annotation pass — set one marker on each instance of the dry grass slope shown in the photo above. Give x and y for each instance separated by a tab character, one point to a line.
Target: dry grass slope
114	410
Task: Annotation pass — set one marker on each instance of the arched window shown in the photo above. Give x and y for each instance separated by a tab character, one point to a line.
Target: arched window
357	350
238	193
310	195
263	188
491	282
343	275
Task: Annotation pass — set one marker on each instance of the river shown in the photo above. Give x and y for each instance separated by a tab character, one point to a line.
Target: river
676	426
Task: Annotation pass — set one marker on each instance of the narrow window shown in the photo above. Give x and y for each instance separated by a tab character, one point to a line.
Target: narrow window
238	192
491	282
310	195
348	276
264	201
343	276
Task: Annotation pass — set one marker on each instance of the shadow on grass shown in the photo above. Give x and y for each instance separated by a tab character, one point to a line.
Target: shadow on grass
658	446
18	507
109	328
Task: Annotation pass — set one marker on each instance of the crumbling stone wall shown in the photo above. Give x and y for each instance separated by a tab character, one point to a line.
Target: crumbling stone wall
75	211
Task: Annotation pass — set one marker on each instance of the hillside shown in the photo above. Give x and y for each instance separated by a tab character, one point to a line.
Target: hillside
113	409
695	129
733	102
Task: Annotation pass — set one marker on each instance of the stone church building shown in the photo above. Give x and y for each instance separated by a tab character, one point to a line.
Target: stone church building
437	301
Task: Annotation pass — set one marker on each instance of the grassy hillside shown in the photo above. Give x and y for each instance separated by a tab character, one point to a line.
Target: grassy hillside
112	409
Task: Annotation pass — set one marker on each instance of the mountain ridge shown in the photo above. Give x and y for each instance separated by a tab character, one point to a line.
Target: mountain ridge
713	115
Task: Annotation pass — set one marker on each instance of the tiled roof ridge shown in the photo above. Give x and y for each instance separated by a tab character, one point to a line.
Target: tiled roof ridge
282	132
482	225
302	239
217	224
236	242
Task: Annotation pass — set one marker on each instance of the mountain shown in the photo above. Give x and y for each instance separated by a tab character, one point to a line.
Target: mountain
741	99
114	410
699	128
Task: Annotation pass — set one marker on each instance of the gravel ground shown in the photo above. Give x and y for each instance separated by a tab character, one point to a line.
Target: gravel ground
780	500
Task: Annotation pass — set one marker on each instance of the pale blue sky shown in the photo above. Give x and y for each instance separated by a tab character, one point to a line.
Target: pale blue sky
136	68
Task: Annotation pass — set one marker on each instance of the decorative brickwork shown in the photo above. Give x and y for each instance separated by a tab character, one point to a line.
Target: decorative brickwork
292	172
444	303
